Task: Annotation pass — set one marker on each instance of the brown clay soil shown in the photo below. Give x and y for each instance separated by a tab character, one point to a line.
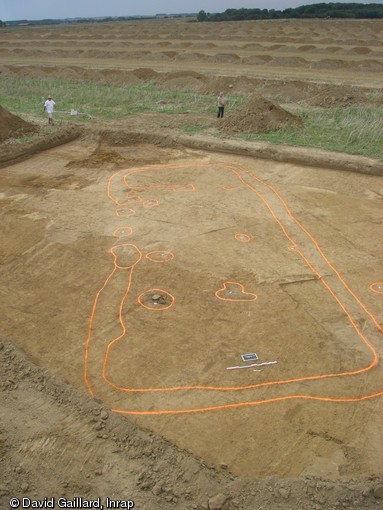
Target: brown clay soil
138	265
12	126
258	115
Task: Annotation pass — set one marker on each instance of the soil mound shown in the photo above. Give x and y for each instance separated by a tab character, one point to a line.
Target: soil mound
145	74
183	80
221	58
259	116
332	96
12	126
232	84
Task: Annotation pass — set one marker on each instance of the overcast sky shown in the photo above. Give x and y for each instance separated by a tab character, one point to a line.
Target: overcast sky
53	9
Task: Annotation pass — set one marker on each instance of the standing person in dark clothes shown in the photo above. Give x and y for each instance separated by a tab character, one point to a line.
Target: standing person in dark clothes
221	105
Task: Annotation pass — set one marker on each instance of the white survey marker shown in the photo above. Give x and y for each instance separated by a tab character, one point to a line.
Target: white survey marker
253	365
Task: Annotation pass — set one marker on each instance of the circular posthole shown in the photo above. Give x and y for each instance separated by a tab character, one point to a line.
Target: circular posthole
123	212
160	256
123	232
234	291
156	299
243	238
377	287
150	203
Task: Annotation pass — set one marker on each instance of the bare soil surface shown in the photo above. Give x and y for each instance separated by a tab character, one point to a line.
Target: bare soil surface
139	265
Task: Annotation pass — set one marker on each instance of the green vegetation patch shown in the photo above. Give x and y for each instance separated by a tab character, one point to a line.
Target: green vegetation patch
193	129
26	96
357	130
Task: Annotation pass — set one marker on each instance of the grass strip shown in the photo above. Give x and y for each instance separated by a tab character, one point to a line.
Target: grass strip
26	96
356	130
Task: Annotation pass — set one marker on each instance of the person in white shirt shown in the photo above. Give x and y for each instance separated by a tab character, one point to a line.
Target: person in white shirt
49	107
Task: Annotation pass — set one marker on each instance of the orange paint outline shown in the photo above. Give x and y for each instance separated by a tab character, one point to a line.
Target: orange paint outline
376	291
157	291
160	261
236	169
120	210
146	202
247	237
116	233
171	187
180	188
228	187
112	250
235	300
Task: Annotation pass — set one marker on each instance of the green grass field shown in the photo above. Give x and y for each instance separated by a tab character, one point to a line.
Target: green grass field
355	130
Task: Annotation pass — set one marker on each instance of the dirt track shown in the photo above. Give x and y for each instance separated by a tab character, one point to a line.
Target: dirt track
183	222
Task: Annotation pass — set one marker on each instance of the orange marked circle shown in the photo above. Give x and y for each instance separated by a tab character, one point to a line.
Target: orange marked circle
377	287
160	256
243	238
151	202
156	299
123	232
123	212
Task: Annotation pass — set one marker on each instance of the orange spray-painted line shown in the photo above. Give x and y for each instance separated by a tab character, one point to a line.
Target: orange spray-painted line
142	169
131	265
315	242
89	333
294	246
90	324
170	187
123	328
227	407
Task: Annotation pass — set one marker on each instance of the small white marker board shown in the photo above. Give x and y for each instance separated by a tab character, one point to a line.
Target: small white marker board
249	357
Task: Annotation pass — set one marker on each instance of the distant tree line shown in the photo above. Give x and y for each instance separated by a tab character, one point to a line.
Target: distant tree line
102	19
322	10
65	21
